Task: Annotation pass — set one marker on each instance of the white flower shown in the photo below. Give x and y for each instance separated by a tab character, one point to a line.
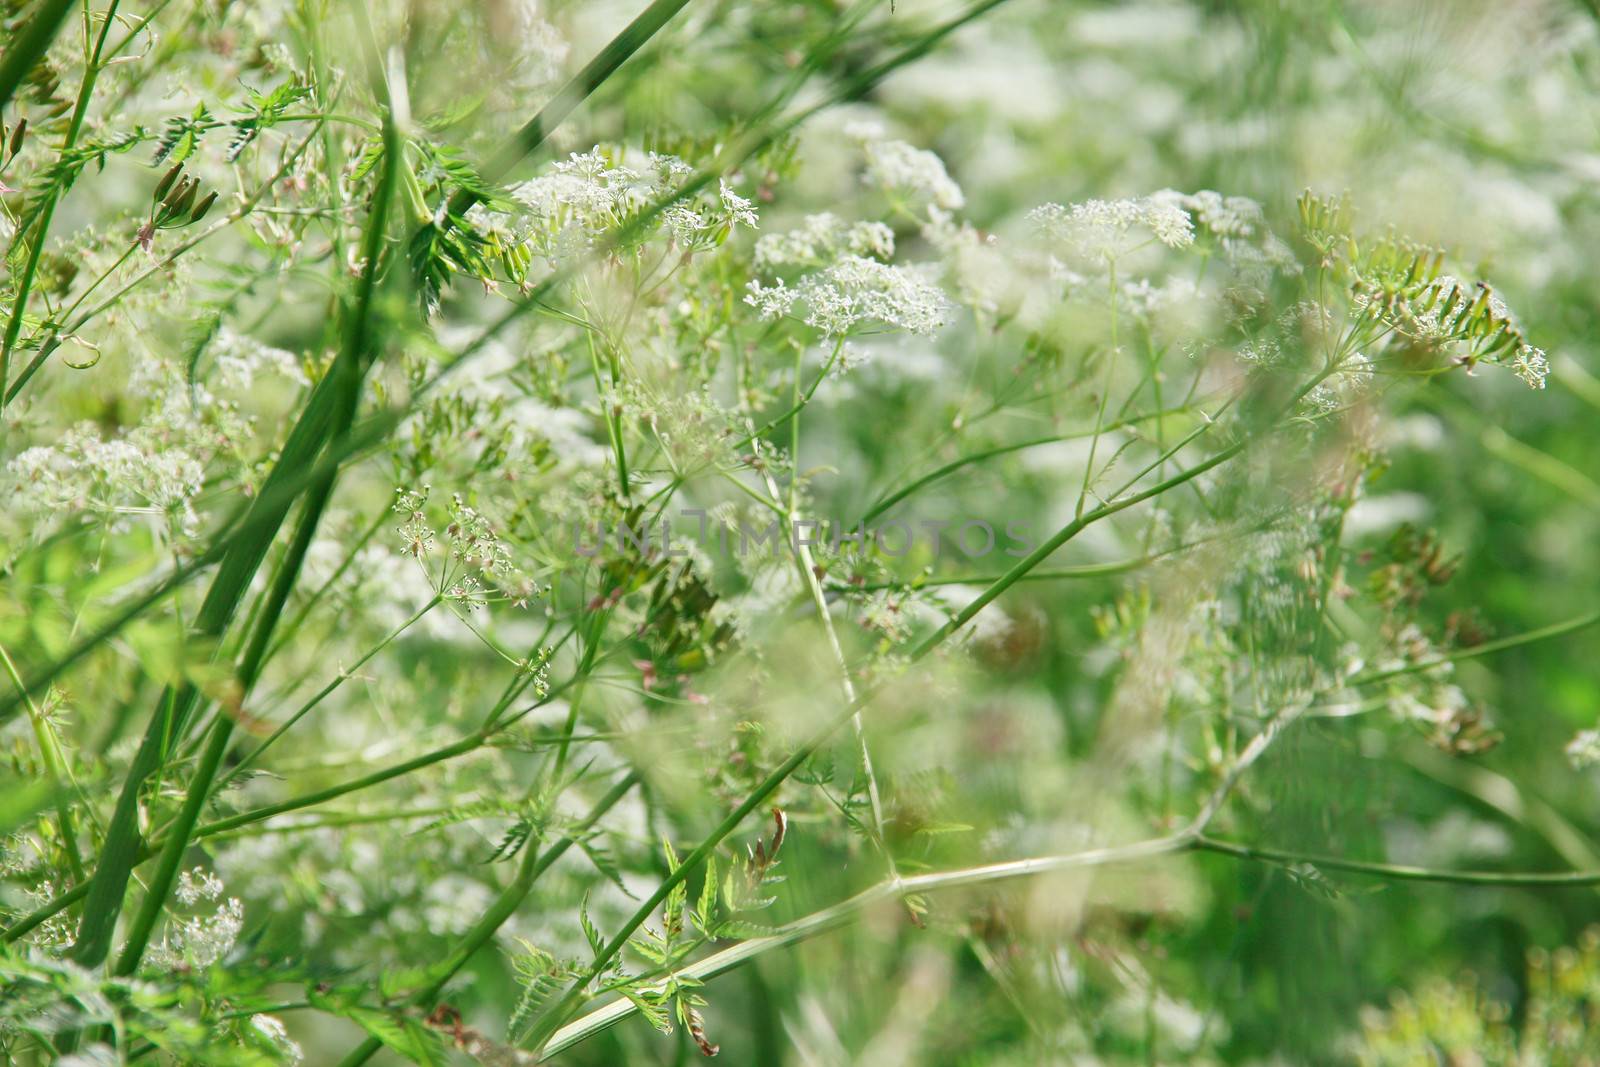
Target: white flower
196	886
683	222
916	174
820	239
772	301
854	291
1262	353
668	171
1106	229
141	472
1584	749
560	214
240	358
1222	216
200	940
739	210
1531	366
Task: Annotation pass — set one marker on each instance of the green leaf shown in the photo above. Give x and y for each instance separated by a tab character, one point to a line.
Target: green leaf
605	863
406	1036
650	1009
706	907
590	932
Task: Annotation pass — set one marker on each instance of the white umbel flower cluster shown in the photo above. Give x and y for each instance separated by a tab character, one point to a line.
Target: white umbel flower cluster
1238	225
1103	230
1584	749
856	292
196	886
200	940
559	215
910	173
822	238
240	359
539	48
1531	365
137	473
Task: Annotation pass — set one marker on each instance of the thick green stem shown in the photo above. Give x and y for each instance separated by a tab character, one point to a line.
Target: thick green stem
30	46
328	416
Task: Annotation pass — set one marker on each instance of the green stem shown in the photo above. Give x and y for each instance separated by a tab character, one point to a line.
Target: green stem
1399	872
1488	647
327	417
1061	537
470	743
322	694
30	46
1105	392
885	503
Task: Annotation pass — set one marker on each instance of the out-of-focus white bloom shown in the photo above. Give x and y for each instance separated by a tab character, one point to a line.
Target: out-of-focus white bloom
1584	749
1374	515
913	173
134	474
56	934
451	904
1223	216
240	358
1238	224
856	291
560	214
1102	230
1262	353
538	47
820	239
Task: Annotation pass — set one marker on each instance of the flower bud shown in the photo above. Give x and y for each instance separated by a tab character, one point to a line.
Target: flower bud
166	182
203	207
181	199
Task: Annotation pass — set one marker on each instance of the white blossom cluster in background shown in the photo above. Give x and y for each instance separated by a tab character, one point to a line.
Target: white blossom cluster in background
637	323
1584	749
560	215
1102	231
822	238
479	565
126	476
856	292
911	174
241	358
